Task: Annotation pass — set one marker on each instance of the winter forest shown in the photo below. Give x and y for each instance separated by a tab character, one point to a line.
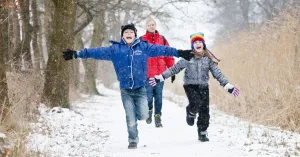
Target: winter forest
51	107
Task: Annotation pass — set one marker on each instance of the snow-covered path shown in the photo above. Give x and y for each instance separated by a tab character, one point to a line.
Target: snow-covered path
96	127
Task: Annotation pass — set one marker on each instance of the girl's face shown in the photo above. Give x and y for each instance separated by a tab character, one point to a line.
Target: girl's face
151	26
129	36
198	46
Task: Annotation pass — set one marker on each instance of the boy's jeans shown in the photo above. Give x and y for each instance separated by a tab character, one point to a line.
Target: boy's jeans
156	93
135	105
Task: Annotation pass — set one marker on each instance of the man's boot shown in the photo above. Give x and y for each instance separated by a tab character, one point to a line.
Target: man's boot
202	136
149	119
157	120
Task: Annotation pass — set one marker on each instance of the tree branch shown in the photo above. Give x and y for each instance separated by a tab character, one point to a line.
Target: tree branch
88	20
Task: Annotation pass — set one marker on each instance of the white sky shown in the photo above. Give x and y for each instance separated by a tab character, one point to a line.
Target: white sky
96	127
188	18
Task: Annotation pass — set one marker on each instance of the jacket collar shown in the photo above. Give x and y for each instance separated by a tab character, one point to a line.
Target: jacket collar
122	42
155	33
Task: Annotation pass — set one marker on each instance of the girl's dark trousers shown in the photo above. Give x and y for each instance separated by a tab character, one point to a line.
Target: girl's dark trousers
198	96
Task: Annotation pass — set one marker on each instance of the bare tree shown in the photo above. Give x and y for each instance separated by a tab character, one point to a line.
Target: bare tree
56	87
15	59
90	65
47	24
4	101
35	30
26	33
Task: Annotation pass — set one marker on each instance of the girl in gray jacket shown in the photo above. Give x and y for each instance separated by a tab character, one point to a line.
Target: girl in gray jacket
196	78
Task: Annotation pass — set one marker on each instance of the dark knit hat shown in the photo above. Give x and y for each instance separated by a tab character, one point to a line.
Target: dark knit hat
128	26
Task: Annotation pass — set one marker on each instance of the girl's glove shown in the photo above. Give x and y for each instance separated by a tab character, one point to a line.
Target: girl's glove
231	89
156	79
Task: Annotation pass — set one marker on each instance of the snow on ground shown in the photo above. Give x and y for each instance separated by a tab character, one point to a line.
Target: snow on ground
96	127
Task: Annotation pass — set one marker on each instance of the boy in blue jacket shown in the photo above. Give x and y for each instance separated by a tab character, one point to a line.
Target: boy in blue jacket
129	57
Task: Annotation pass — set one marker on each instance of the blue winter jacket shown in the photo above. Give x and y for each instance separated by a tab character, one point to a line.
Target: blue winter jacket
130	62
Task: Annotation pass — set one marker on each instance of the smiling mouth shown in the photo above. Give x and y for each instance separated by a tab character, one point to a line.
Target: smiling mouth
198	47
128	37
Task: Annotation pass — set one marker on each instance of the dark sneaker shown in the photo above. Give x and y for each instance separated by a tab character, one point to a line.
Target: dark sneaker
157	120
203	136
132	145
149	119
190	118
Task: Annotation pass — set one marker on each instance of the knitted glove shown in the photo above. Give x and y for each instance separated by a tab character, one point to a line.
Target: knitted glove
186	54
156	79
173	78
231	89
69	54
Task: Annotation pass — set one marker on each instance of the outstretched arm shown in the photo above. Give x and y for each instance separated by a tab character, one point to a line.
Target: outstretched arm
100	53
181	64
175	69
158	50
217	74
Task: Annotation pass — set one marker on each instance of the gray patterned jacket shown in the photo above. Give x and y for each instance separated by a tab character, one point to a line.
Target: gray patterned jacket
196	71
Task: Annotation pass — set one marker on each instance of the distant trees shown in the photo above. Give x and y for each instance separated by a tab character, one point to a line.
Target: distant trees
242	14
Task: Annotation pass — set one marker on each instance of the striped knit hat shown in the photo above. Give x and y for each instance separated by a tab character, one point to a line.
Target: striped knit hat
197	36
200	37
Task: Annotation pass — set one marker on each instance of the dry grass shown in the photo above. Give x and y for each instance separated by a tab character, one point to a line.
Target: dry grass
261	62
24	93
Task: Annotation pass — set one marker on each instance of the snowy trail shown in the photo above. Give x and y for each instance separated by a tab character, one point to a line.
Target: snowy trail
97	128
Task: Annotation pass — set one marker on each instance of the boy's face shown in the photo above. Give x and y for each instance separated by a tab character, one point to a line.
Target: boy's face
128	36
151	26
198	46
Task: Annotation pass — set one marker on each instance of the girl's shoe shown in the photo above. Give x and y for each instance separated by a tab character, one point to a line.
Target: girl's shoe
190	118
202	136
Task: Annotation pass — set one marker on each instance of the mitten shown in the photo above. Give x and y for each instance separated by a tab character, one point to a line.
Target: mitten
69	54
231	89
186	54
173	78
156	79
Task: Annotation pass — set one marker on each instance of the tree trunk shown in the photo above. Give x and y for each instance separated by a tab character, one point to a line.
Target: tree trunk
15	40
75	78
47	28
4	30
26	33
4	101
56	88
245	5
35	30
90	65
105	69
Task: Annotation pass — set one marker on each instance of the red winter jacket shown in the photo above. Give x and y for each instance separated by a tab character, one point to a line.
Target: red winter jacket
157	65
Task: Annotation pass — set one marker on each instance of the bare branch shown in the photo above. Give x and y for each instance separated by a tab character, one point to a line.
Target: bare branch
88	20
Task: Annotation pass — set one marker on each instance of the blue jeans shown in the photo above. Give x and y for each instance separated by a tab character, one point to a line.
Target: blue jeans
135	105
156	93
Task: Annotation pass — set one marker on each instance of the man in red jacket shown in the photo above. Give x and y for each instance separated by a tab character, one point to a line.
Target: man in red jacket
156	66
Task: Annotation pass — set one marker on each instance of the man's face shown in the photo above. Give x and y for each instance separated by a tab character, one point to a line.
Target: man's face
151	26
198	46
128	36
